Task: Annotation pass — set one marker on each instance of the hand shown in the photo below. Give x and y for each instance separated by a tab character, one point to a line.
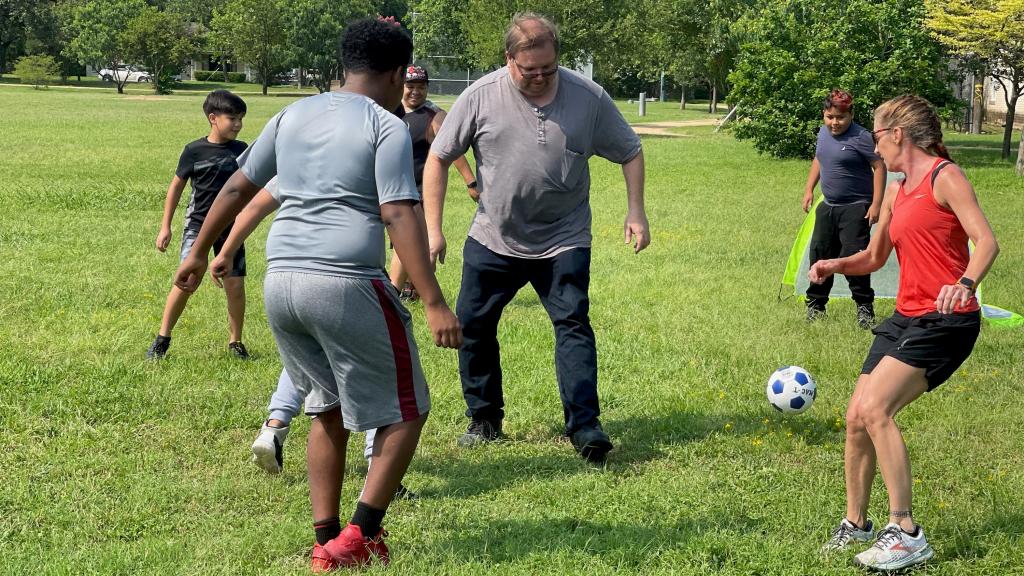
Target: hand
474	194
636	230
821	270
163	239
221	267
438	247
872	215
444	326
190	273
951	296
808	201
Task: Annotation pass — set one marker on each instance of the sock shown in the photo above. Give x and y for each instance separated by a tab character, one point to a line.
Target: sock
368	519
163	339
915	533
327	530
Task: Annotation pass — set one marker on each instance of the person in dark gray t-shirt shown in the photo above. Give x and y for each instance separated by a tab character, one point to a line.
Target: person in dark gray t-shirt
532	126
852	180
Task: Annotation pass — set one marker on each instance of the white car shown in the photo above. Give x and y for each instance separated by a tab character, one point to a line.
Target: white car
120	74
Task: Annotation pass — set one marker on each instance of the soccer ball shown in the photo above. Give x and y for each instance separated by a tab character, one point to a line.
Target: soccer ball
791	390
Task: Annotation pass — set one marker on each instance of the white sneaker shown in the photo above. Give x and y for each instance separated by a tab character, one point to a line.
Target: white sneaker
846	533
268	448
895	550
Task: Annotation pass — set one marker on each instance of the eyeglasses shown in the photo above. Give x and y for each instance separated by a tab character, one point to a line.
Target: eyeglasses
531	75
874	133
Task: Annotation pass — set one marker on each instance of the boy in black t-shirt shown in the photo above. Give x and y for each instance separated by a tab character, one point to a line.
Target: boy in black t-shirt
208	162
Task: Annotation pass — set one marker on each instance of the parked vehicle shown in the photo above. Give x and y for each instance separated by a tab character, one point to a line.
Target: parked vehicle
120	74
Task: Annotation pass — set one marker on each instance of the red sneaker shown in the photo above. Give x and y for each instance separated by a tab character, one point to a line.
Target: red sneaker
322	560
351	548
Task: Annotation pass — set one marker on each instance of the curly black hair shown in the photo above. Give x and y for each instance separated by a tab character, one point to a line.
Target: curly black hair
373	45
223	102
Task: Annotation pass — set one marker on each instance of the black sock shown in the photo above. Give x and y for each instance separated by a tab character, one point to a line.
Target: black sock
857	526
327	530
368	519
915	533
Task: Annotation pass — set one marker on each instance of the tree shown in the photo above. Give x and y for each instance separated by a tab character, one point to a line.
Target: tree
314	34
35	70
12	23
990	30
797	50
94	28
254	31
161	42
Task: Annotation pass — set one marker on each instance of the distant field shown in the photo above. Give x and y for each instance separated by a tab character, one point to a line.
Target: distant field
112	465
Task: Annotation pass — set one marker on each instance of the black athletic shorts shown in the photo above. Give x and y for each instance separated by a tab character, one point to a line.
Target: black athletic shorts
939	343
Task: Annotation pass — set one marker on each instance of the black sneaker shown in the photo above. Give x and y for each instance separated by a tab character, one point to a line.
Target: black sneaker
403	493
480	431
866	316
238	350
158	349
814	313
592	443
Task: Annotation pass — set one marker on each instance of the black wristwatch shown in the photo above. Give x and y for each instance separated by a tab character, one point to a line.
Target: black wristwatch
471	185
965	281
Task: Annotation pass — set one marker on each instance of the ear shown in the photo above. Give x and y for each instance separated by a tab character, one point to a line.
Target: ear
211	117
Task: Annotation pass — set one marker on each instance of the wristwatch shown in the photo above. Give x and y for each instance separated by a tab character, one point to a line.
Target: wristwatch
970	284
471	185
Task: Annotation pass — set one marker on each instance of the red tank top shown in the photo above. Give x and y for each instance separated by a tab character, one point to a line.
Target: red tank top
931	247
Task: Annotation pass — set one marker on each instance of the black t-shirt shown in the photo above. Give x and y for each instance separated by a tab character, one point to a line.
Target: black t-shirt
209	166
418	121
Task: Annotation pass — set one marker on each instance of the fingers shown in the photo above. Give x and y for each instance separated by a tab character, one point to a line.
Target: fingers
638	235
950	296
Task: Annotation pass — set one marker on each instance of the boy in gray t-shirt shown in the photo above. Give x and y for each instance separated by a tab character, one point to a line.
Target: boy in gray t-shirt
344	168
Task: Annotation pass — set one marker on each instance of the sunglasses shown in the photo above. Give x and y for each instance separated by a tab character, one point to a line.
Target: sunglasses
539	74
874	133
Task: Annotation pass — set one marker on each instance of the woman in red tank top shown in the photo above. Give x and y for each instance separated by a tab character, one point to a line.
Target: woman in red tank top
928	218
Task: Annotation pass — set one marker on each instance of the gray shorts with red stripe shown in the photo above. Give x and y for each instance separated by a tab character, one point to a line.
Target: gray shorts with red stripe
348	343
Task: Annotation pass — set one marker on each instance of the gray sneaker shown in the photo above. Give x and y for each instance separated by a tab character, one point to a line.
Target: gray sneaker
845	534
480	432
268	448
814	314
895	550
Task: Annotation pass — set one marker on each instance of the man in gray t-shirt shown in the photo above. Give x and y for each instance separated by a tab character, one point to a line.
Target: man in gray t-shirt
532	126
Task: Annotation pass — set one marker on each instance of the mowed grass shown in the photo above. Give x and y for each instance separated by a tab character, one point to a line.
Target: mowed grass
112	465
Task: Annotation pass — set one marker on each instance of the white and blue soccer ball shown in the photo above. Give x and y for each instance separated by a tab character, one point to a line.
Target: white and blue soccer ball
791	390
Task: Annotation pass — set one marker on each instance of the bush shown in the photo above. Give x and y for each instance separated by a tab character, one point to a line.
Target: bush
36	69
218	76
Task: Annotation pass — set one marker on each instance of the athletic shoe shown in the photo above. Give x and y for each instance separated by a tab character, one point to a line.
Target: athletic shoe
866	316
403	493
408	293
895	550
158	349
352	549
591	442
846	533
238	350
268	448
814	314
480	431
322	560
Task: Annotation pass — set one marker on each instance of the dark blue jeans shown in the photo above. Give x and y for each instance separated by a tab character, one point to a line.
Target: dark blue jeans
489	282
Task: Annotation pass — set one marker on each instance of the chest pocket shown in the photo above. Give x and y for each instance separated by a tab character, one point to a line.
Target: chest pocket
574	164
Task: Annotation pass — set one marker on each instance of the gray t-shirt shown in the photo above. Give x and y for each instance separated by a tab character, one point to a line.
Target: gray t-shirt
337	157
845	160
531	161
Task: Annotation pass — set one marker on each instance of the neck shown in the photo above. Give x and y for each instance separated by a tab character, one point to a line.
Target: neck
215	137
363	85
916	164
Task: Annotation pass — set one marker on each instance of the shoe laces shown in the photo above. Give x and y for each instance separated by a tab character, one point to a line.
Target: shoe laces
887	537
842	534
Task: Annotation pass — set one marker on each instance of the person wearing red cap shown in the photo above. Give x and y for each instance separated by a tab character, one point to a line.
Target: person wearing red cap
424	119
852	180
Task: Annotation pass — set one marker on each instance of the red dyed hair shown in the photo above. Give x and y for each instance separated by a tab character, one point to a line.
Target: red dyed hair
839	99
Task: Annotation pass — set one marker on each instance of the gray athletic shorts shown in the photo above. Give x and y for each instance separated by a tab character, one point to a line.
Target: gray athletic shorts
348	343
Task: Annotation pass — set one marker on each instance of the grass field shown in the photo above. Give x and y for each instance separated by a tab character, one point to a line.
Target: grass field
112	465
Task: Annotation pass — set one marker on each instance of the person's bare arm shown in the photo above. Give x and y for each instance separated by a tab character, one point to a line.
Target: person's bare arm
461	164
812	180
435	185
262	205
177	186
878	193
636	228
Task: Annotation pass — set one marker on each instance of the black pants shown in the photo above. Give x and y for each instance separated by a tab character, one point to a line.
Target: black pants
489	282
840	231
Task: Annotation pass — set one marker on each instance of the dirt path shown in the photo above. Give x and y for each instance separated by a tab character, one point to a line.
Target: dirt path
662	128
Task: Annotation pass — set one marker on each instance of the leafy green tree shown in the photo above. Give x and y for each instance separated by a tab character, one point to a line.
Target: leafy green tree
36	69
94	28
314	34
13	14
989	30
254	32
160	41
797	50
